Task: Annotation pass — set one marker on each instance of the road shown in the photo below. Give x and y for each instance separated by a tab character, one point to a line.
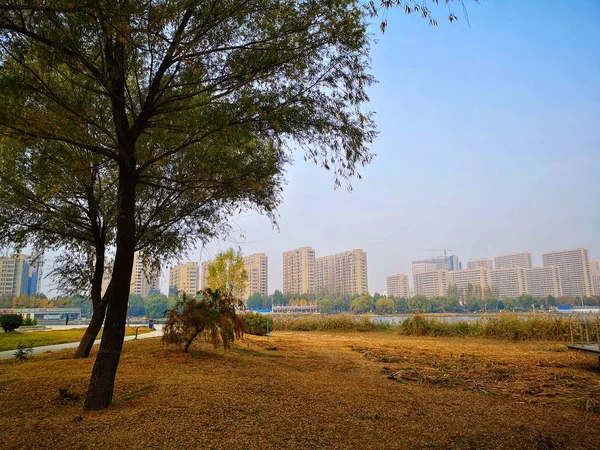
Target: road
54	348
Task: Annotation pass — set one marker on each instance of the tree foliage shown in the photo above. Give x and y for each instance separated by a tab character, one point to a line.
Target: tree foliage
325	306
156	305
256	301
226	273
10	322
384	305
212	316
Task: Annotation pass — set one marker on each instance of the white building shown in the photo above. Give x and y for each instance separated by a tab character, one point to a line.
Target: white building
518	259
574	268
397	285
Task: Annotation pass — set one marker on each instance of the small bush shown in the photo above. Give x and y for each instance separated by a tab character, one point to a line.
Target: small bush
23	352
10	322
255	323
30	322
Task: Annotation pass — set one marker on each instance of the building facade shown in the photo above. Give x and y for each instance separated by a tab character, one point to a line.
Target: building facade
299	271
185	278
475	283
144	277
574	266
433	283
508	282
397	286
518	259
20	275
325	275
595	274
543	281
257	268
447	262
350	272
480	263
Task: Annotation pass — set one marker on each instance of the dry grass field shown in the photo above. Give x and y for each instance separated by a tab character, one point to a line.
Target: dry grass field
312	390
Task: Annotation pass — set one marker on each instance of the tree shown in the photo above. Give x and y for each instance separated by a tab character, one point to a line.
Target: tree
277	298
156	305
212	316
85	303
385	305
362	304
255	301
325	306
10	322
226	273
165	93
173	291
137	306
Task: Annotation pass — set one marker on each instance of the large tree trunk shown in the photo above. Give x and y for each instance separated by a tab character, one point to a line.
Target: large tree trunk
91	333
102	381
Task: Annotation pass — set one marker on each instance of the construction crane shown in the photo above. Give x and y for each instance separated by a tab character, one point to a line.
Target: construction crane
435	250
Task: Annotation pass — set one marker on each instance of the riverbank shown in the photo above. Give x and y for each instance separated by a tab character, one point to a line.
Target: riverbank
313	390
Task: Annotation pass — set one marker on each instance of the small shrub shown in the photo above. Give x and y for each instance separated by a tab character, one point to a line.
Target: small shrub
23	352
10	322
255	323
212	316
30	322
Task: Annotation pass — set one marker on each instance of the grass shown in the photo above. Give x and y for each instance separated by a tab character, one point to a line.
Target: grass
315	389
9	341
504	326
500	326
340	322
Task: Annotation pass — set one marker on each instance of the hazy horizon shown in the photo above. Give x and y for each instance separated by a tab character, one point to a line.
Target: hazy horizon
488	144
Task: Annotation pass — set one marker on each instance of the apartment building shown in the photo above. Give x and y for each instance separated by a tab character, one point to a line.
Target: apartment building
144	277
519	259
350	272
476	282
447	262
397	286
185	278
508	282
299	271
325	275
543	281
256	266
480	263
595	274
432	283
574	265
20	274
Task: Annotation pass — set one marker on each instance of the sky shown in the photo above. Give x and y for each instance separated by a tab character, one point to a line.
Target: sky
489	143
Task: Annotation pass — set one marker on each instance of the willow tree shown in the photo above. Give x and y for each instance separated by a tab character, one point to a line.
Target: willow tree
154	85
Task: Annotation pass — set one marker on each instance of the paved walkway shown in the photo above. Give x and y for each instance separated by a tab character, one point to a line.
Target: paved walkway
54	348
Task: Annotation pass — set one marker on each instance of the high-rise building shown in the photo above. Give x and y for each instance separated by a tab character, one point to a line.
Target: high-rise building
204	274
144	277
480	263
256	266
520	259
185	278
325	275
574	268
543	281
471	282
299	271
595	274
447	262
397	285
431	284
423	265
351	272
508	282
20	275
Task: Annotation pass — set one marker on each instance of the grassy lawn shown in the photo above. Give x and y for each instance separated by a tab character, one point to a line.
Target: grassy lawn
9	341
335	390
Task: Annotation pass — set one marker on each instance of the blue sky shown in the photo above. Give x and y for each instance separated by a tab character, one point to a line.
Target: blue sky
489	143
